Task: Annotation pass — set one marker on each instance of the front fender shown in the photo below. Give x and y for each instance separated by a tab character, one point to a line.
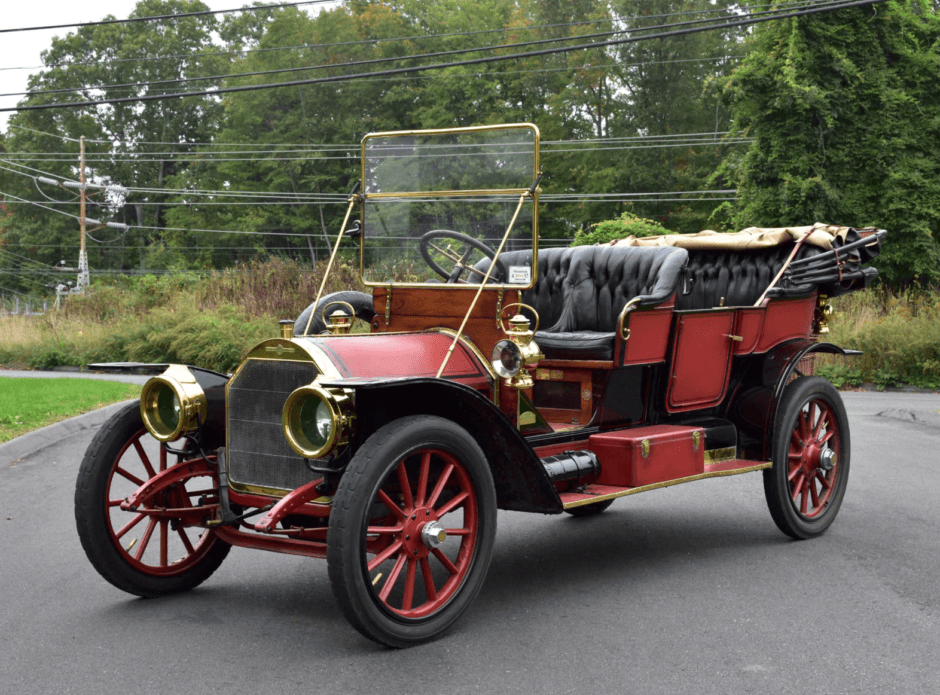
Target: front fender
212	384
519	477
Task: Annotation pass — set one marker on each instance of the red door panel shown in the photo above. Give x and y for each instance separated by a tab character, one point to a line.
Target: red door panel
701	359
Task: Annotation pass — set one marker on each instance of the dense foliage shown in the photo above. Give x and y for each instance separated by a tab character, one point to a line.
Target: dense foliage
841	110
845	114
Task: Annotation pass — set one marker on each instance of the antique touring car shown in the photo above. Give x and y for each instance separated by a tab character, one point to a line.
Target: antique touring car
493	375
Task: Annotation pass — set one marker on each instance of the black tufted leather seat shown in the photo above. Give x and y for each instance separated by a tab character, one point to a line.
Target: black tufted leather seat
581	291
739	276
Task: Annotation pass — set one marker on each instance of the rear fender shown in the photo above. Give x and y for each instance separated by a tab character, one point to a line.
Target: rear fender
519	477
754	410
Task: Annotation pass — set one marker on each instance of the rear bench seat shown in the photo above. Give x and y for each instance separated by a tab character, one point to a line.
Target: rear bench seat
734	278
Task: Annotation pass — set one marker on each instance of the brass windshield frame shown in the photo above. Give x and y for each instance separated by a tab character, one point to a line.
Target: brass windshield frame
512	193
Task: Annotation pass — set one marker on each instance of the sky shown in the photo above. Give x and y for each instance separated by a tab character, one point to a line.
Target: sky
23	48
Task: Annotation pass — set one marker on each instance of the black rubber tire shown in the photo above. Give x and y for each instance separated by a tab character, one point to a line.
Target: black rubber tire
360	301
589	509
92	520
800	393
498	275
358	488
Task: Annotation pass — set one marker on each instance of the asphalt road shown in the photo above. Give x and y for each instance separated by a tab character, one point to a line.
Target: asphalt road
686	590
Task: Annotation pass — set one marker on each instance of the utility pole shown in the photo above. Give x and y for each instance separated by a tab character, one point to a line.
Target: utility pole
83	276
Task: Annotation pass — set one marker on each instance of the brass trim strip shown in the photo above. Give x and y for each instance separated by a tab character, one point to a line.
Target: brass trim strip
667	483
510	194
719	455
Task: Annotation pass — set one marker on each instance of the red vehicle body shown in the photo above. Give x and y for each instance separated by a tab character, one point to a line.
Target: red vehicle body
388	452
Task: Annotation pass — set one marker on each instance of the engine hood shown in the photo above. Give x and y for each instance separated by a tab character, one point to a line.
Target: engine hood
370	356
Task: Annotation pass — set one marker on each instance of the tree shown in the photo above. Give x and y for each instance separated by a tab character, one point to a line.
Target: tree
845	116
133	143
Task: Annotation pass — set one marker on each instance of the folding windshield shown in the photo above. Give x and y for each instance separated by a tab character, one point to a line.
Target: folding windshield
437	204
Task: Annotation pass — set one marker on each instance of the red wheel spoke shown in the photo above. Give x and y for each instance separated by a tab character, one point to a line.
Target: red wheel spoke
813	494
409	585
826	437
392	577
441	482
385	555
183	537
458	531
794	471
795	440
798	483
128	526
144	459
428	579
164	542
405	486
114	503
823	421
133	478
804	426
823	480
145	540
162	458
387	501
804	500
444	560
423	477
453	504
379	530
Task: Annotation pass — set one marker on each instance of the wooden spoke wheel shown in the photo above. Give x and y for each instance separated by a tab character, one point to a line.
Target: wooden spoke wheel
811	453
144	552
412	530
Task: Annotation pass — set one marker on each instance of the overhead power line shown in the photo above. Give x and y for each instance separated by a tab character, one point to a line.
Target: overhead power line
828	7
416	37
131	20
375	61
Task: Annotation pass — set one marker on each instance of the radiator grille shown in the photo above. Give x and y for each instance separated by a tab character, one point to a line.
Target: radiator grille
258	453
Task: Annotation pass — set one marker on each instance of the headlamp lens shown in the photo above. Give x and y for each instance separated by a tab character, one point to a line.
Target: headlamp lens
316	421
168	407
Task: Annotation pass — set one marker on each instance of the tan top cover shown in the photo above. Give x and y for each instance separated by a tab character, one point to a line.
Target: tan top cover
821	235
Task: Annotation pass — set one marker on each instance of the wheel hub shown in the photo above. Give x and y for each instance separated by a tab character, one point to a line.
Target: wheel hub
433	535
827	458
420	532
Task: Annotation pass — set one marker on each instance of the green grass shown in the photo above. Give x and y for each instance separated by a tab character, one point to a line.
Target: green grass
28	404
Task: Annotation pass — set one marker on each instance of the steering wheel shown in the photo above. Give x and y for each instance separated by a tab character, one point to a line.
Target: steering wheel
462	256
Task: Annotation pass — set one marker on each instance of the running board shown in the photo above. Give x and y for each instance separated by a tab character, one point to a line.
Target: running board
590	494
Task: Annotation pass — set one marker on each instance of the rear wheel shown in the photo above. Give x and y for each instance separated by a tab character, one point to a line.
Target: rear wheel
412	530
143	554
811	453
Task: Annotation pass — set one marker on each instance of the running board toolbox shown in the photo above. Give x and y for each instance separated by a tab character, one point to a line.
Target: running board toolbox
647	455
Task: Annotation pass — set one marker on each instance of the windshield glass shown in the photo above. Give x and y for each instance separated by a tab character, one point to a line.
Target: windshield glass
436	206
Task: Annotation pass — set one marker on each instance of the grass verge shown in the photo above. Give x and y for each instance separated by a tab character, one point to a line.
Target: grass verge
28	404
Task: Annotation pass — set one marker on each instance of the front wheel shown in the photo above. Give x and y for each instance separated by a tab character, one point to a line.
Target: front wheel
146	552
811	452
412	530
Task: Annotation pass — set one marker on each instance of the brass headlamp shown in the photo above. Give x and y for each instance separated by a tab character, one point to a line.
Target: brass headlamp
316	420
511	356
173	403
